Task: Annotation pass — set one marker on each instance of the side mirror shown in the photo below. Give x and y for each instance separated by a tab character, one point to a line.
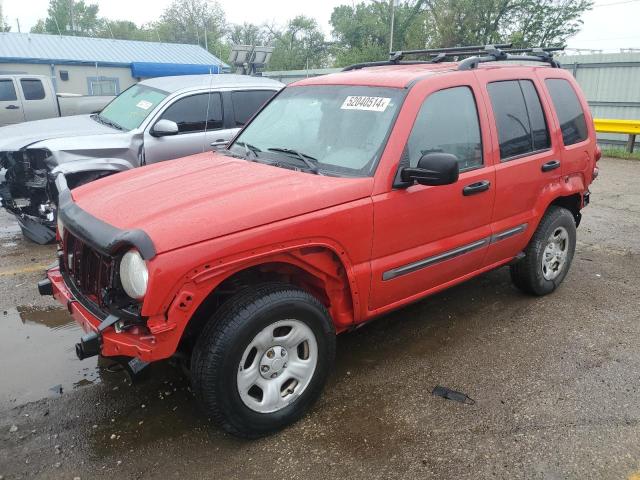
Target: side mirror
433	169
164	128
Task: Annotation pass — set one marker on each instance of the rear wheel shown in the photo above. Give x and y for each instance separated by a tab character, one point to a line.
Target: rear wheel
262	359
548	255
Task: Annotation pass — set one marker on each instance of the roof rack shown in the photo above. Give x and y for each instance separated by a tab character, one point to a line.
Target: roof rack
494	54
476	54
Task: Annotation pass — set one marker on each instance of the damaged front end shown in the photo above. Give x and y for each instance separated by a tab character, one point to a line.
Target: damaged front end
29	192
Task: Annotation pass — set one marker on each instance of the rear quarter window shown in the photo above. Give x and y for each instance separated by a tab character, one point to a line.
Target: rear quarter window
568	110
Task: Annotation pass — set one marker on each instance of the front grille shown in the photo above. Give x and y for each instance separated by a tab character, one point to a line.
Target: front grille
91	272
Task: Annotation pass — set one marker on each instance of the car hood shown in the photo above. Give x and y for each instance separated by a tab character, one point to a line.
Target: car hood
205	196
16	137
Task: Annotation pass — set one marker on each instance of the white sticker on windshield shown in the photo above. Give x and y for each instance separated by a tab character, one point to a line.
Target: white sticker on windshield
144	104
373	104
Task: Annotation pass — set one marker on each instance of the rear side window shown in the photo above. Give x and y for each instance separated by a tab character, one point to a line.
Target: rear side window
190	113
448	122
7	91
32	89
569	111
248	102
522	127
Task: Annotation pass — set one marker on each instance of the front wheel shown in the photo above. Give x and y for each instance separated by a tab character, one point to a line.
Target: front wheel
262	359
548	255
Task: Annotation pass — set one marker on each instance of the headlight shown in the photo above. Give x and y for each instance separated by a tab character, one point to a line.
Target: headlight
60	228
134	275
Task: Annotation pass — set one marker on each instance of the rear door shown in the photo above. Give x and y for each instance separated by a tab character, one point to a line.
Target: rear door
193	114
578	152
38	99
10	105
527	157
427	236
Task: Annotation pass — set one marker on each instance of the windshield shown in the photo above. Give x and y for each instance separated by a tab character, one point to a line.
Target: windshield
341	129
129	109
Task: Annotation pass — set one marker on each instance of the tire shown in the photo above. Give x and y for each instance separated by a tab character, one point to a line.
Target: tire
251	341
531	274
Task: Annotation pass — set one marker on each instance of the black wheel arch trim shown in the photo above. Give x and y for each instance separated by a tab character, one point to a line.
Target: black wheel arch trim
100	235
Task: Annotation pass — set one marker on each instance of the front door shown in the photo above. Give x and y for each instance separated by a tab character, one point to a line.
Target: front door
193	114
428	236
10	107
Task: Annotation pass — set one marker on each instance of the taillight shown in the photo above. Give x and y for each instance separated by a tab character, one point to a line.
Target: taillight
598	154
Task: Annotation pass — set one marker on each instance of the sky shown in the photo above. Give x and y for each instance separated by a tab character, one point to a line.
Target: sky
611	25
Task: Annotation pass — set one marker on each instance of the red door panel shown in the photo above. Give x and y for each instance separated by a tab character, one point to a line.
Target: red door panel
426	236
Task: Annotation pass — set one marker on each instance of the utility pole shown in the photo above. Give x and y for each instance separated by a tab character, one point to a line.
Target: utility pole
393	14
17	21
73	29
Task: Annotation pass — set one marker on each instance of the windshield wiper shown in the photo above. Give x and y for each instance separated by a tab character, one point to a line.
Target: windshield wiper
109	123
249	148
306	159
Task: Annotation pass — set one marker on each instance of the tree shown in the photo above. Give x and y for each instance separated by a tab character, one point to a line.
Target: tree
4	27
120	29
300	45
200	22
363	30
249	34
523	22
69	17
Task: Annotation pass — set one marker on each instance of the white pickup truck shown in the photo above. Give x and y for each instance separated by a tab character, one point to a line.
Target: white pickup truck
32	97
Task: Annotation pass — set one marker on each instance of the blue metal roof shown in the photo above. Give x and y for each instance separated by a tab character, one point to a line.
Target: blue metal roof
39	48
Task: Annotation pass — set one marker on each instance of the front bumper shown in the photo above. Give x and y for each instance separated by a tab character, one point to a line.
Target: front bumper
36	224
110	343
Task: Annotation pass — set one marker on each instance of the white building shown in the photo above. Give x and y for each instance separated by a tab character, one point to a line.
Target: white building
100	66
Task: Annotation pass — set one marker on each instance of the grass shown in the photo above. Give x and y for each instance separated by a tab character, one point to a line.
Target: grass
618	152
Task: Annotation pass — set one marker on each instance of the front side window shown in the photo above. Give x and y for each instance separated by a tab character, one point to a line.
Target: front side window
129	109
190	113
246	103
522	128
7	91
32	89
341	129
569	111
448	122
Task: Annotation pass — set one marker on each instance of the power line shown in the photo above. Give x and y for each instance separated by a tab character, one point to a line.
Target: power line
615	3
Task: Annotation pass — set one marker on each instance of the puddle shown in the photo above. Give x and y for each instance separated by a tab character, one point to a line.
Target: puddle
37	357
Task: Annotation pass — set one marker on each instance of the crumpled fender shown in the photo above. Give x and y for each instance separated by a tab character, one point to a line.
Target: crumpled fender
92	165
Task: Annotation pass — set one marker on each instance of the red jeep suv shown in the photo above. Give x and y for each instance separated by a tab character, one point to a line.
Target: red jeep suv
347	196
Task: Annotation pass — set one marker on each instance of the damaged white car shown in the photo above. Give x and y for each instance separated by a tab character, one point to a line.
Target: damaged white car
155	120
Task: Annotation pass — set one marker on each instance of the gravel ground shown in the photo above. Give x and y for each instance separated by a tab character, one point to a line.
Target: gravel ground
555	380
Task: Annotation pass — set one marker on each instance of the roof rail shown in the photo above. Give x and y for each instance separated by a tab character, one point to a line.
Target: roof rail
476	53
437	55
442	52
492	53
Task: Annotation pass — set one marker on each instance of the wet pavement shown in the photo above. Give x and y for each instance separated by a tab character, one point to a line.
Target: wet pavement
556	381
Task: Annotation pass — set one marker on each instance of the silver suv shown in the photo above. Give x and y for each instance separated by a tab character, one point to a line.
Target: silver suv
155	120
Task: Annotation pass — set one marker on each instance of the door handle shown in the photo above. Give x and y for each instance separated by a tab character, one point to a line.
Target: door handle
12	107
552	165
477	187
219	143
